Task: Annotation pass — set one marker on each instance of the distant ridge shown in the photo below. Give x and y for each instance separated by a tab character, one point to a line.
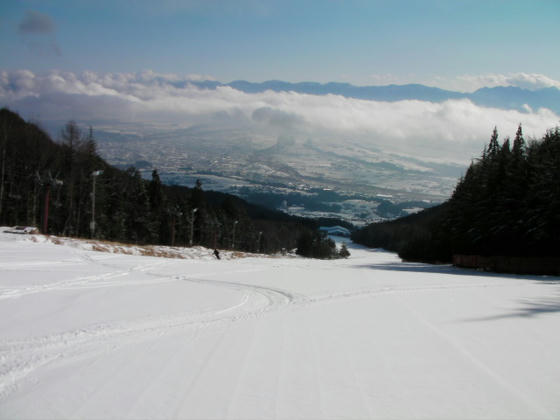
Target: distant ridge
506	97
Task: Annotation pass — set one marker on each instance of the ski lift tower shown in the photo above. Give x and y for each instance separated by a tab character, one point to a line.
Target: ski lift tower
94	175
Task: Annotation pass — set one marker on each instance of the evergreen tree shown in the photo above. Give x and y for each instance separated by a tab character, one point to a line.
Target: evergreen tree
344	253
494	146
316	244
519	149
158	225
506	204
128	208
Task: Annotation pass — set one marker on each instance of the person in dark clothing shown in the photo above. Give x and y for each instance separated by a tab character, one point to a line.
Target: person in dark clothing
217	253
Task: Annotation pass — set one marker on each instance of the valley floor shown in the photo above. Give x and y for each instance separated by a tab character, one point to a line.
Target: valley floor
87	334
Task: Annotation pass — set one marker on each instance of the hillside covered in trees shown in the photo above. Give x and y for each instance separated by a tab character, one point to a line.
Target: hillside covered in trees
506	204
65	188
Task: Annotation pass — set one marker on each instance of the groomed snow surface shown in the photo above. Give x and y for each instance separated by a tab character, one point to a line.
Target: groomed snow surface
87	334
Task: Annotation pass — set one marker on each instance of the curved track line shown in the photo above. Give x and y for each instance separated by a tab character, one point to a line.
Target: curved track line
19	358
22	357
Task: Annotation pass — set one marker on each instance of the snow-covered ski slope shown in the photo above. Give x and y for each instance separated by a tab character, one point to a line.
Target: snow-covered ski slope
87	334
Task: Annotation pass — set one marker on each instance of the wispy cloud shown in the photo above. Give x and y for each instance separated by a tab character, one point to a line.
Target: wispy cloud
454	129
36	23
38	32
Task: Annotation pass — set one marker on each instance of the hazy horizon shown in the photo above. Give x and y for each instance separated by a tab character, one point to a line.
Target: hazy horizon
137	64
458	45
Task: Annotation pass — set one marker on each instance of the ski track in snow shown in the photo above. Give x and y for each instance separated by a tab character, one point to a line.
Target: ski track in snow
21	359
477	363
112	279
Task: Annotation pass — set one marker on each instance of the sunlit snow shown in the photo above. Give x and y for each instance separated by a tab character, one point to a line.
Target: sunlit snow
86	334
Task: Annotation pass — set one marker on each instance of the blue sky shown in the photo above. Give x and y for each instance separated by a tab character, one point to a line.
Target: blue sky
361	42
121	62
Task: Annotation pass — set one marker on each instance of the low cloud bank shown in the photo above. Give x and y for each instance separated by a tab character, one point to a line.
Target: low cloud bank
470	83
454	129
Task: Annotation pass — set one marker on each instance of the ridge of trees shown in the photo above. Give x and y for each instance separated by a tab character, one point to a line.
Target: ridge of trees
50	185
506	204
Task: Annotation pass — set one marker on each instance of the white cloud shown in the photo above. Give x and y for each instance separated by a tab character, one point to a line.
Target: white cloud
454	129
470	83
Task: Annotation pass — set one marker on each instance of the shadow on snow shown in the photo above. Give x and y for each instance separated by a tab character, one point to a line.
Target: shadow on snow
452	270
528	309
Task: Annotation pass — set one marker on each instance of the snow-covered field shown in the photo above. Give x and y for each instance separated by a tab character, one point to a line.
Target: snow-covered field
87	334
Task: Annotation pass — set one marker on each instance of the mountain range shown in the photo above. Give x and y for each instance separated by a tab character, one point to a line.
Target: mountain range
505	97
